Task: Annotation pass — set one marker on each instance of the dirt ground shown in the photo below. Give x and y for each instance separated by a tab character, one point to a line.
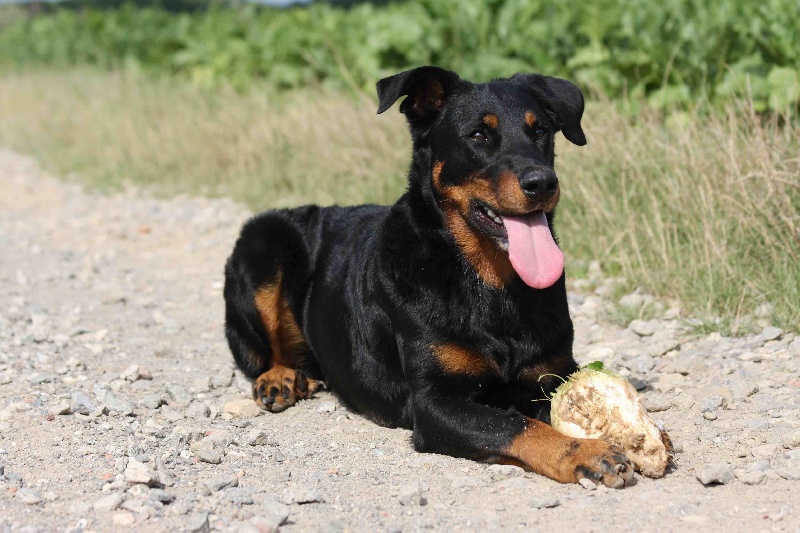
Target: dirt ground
120	408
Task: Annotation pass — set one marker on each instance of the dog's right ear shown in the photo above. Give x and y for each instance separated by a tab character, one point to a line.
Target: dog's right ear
427	89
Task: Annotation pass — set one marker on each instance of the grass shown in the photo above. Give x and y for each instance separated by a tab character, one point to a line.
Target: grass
702	208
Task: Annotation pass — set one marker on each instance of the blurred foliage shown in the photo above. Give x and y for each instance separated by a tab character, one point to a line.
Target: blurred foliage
675	52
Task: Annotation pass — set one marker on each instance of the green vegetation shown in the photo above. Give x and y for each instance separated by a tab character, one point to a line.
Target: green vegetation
671	52
703	209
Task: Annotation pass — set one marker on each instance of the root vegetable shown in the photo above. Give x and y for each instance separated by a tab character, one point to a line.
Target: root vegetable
596	403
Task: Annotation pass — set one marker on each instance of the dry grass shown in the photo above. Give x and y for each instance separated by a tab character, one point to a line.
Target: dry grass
702	209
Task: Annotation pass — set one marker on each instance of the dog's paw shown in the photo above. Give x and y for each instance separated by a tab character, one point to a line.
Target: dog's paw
603	463
281	387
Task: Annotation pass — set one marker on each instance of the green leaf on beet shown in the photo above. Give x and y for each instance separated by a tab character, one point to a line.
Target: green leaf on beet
596	365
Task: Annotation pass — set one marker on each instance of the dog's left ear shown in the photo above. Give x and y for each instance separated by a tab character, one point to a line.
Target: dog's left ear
562	101
427	89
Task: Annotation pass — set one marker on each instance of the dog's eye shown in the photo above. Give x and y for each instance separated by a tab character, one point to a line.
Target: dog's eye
540	132
479	136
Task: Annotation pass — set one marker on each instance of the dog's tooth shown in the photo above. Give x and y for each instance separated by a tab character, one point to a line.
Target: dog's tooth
498	220
490	213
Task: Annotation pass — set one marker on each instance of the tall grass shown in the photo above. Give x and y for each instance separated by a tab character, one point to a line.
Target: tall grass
702	208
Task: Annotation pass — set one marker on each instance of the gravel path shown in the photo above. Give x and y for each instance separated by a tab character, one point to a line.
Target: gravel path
120	407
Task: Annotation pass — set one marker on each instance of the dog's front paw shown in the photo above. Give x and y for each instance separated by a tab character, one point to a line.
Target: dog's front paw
281	387
603	463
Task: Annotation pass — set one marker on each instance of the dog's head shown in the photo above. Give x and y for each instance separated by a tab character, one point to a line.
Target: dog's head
488	153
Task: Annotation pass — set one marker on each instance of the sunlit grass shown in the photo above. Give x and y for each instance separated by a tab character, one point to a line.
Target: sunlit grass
704	209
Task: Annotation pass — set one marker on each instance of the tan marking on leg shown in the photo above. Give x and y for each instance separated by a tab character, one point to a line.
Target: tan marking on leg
285	338
545	451
457	360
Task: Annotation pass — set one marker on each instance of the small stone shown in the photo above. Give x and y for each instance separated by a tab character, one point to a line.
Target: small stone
178	394
791	440
301	495
638	384
79	508
259	437
587	484
108	503
410	495
642	364
710	416
273	514
198	523
239	495
752	478
789	472
139	473
465	482
498	472
160	495
198	411
61	408
152	401
643	328
760	466
545	502
209	456
222	378
765	451
81	403
656	403
326	407
244	408
28	496
770	333
711	404
131	373
714	474
104	395
123	518
224	483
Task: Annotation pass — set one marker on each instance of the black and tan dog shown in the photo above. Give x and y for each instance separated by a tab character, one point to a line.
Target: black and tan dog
445	313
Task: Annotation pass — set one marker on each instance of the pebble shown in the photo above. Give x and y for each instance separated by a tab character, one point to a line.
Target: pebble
222	379
587	484
301	495
326	407
160	495
498	472
139	473
752	478
28	496
243	408
198	411
108	503
410	495
178	394
105	396
714	474
765	451
544	502
788	472
258	437
643	328
61	408
711	404
656	403
209	456
198	523
123	518
224	483
272	515
81	403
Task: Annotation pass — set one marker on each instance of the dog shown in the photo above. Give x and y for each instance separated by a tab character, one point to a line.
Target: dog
445	313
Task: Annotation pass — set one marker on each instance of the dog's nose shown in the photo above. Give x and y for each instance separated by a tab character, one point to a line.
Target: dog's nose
539	182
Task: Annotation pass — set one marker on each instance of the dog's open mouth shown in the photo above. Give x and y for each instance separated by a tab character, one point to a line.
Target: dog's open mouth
527	238
490	223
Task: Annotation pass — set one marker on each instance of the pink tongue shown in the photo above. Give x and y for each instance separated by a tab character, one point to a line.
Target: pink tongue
532	251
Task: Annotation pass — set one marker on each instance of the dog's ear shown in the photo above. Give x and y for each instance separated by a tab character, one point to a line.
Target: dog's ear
427	88
562	101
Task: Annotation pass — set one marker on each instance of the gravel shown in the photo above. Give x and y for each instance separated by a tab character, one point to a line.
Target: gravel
121	409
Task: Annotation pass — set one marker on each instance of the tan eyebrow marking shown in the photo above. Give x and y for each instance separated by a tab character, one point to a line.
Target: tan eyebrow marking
490	120
530	119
